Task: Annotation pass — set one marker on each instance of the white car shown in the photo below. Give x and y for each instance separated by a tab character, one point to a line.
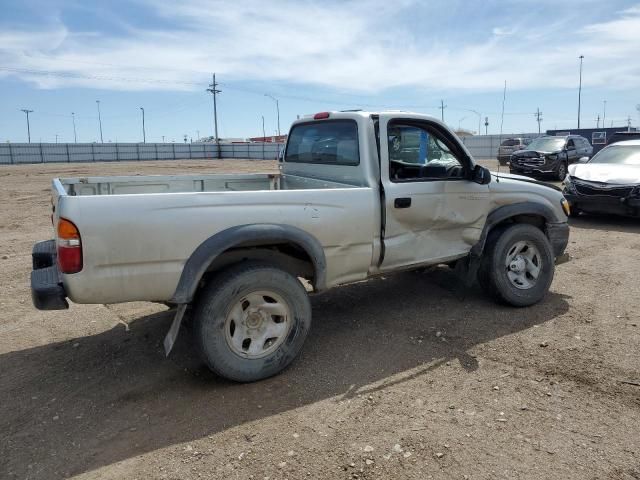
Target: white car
608	183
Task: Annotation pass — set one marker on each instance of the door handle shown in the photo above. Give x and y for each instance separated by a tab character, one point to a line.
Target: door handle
403	202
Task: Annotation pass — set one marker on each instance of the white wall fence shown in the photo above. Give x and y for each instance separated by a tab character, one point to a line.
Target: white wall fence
17	153
483	146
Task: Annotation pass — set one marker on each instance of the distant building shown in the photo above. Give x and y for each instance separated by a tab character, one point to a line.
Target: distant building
272	139
461	132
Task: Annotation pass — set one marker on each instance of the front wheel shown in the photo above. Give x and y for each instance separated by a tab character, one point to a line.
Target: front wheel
518	265
561	173
251	320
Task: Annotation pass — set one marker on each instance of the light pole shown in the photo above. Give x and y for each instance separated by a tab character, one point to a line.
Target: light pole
144	134
28	126
277	109
264	135
99	120
580	89
73	118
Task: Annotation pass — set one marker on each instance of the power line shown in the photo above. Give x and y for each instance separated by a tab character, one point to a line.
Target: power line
28	126
538	116
442	107
214	92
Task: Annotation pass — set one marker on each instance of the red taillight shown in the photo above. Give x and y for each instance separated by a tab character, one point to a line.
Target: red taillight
321	116
69	247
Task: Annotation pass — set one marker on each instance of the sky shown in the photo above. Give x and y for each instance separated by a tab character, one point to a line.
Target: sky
60	56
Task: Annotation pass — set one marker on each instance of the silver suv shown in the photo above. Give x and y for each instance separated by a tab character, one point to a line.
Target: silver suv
509	146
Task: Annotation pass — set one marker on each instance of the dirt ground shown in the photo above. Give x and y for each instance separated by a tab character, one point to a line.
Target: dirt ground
399	378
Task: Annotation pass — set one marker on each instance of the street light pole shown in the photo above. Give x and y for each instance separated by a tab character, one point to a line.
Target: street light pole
277	109
99	120
28	126
75	137
144	133
264	135
580	89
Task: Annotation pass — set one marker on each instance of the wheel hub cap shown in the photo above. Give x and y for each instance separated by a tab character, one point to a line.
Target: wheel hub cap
518	264
257	324
523	265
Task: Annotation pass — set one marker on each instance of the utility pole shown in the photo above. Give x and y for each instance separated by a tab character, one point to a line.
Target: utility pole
277	109
99	120
213	89
580	89
486	125
57	138
604	112
144	133
28	126
442	107
538	116
629	123
75	137
598	121
264	135
162	138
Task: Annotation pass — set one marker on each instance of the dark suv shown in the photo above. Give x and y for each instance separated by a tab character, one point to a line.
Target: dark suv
550	155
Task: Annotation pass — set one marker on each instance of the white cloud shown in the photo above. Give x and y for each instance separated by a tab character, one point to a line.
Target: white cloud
358	46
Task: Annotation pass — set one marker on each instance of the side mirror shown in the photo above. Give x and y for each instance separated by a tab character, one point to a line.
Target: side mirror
481	175
583	159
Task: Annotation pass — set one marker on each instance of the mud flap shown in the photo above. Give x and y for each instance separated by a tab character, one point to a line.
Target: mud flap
466	270
172	334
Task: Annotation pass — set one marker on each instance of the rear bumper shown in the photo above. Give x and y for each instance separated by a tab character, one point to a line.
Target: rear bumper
558	234
47	290
629	207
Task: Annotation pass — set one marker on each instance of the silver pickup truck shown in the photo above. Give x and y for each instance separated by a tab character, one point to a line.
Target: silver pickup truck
358	195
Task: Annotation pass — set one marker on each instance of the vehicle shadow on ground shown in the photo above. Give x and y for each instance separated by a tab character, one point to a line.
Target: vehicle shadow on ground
608	223
77	405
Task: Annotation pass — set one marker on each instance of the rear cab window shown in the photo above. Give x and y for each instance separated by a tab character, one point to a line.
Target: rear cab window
332	142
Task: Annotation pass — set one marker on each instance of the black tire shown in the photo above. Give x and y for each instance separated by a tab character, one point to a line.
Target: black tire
492	274
222	293
561	172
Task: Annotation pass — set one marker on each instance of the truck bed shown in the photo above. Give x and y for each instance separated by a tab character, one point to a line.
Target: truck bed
149	184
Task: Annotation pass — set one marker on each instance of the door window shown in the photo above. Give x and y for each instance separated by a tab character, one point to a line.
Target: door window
417	153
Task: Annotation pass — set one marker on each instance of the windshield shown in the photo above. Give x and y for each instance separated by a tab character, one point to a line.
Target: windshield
618	154
547	144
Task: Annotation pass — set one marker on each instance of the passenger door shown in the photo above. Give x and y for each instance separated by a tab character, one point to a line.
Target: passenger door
433	211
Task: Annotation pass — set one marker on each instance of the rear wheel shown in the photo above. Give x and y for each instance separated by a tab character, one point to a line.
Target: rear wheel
251	320
518	265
